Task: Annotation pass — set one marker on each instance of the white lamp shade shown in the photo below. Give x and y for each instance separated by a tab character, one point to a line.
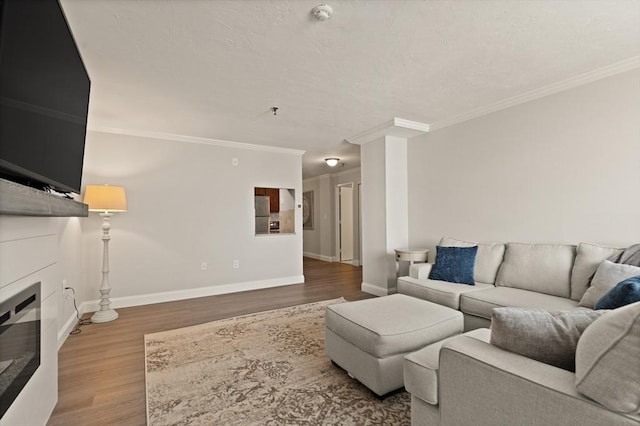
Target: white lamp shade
105	198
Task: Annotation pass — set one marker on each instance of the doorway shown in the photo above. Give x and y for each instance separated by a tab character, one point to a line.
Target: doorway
345	222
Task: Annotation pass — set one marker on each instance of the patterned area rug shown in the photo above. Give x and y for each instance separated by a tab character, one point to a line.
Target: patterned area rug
267	368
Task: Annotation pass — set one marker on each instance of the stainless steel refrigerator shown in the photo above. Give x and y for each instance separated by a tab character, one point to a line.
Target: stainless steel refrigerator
263	210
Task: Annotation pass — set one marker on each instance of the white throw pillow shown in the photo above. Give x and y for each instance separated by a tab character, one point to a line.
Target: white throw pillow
607	276
588	257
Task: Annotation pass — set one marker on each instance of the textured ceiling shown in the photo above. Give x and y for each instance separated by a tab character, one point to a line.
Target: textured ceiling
214	69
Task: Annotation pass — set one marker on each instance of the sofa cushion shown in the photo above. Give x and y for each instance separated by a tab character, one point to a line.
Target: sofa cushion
440	292
624	293
543	268
607	276
480	303
454	264
390	325
549	337
607	360
588	257
421	367
488	259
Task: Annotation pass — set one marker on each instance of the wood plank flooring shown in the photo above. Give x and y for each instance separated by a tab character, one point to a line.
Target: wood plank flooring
101	370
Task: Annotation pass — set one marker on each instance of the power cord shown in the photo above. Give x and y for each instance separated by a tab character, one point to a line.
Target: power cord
80	322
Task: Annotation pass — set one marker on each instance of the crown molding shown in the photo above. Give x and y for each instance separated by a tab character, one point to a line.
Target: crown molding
396	127
570	83
194	139
330	175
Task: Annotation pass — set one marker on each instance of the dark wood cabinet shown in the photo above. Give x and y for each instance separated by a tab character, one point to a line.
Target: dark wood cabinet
274	199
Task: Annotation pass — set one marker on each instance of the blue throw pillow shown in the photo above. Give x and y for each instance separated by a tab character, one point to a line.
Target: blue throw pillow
624	293
455	264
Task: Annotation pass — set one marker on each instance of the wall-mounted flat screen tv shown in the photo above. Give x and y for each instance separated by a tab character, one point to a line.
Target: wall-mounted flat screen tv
44	97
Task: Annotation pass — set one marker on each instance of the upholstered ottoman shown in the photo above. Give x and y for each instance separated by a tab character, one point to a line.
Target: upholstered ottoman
369	338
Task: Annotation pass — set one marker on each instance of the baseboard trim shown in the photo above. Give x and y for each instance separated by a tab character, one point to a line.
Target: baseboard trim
319	257
170	296
68	326
373	289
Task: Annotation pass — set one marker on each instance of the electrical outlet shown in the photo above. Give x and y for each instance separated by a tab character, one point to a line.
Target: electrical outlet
204	266
64	285
236	264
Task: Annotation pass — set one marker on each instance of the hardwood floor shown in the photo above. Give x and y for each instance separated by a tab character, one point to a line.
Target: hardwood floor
101	370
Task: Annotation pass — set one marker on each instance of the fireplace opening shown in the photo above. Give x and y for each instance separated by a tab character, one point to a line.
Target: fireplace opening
19	343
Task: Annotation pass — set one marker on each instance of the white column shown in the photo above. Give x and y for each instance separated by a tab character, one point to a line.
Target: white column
385	220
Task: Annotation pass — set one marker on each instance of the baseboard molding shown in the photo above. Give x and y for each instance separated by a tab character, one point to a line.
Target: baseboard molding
319	257
373	289
64	332
170	296
355	262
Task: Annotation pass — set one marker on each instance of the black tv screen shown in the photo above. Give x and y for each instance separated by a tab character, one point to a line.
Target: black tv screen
44	97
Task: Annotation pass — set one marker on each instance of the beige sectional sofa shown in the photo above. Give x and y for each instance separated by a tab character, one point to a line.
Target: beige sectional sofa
466	380
545	276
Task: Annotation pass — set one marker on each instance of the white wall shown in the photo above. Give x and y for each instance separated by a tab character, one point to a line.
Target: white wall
311	237
321	242
349	176
187	204
376	265
70	271
564	168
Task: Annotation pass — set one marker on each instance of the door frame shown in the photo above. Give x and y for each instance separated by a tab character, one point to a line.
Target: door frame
338	225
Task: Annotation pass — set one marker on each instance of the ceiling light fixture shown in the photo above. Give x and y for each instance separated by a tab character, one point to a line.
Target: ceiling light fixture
322	12
332	162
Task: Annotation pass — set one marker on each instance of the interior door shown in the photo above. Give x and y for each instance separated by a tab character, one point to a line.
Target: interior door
346	222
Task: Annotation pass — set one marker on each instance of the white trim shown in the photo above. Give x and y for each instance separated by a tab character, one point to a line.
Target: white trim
373	289
356	262
194	139
330	175
396	127
570	83
64	332
170	296
319	257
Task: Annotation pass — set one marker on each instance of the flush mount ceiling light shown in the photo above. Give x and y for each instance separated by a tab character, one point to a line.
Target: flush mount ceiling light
332	162
322	12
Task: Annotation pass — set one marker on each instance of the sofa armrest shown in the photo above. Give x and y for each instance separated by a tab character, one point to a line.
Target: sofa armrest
420	271
481	384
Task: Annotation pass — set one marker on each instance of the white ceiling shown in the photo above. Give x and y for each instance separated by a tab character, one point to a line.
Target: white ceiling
214	69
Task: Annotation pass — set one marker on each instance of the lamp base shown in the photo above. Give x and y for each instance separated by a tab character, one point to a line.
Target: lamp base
104	316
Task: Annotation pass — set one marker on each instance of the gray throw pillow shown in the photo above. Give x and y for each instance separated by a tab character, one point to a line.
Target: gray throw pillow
608	360
549	337
607	276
